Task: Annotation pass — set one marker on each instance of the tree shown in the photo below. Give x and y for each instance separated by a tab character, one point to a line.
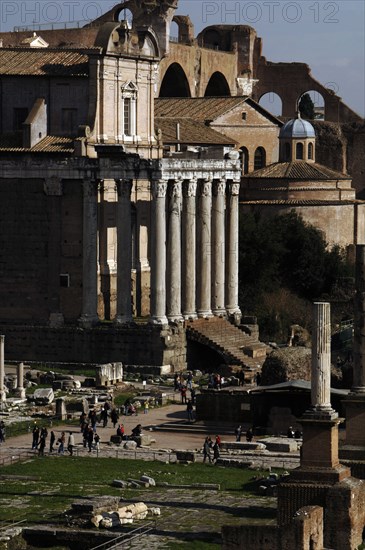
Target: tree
284	264
306	107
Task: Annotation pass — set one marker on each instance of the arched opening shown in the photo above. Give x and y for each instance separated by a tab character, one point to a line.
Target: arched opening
299	151
212	39
287	151
310	151
217	86
175	83
126	15
272	102
244	159
260	158
311	105
174	32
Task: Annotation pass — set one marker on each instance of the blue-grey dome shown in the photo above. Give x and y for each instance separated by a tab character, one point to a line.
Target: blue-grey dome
297	128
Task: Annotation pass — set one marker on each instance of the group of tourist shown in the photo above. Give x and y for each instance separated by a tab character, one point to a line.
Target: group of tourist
209	446
239	432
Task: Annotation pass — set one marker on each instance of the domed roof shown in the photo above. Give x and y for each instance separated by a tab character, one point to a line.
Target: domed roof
297	128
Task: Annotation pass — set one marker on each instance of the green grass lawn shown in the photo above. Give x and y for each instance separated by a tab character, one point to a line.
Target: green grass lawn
53	483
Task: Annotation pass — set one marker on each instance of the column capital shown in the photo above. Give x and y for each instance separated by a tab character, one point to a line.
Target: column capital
175	188
90	187
159	189
219	187
234	188
206	187
124	188
190	188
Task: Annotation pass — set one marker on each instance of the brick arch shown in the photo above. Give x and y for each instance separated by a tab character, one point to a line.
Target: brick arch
175	82
265	100
217	86
290	81
314	101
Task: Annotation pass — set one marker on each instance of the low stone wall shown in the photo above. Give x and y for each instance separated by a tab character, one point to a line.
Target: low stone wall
143	345
233	406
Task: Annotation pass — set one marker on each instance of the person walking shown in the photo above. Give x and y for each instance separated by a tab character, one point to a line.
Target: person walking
145	408
190	410
61	443
238	432
206	450
71	443
52	439
114	417
216	450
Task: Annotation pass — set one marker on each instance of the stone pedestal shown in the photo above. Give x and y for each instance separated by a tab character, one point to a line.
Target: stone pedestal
61	412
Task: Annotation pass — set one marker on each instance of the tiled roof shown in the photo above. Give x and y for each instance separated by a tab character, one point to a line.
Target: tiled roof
300	170
32	61
205	108
192	132
200	108
50	144
56	38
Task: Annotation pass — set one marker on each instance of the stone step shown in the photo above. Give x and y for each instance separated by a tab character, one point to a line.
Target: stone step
205	428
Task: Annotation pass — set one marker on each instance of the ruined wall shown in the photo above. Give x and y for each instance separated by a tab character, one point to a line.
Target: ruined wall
144	345
336	221
345	514
250	537
59	93
232	406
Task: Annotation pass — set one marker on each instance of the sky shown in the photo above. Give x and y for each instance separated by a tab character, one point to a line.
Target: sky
328	36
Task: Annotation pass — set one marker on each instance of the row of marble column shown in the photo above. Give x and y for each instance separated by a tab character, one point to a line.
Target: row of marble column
194	250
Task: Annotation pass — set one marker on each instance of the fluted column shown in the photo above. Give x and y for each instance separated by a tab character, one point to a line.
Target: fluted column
218	234
174	253
321	357
89	315
232	250
2	369
204	229
189	250
158	274
124	253
359	328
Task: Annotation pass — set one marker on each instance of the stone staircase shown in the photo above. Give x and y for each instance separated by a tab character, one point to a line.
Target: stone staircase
235	346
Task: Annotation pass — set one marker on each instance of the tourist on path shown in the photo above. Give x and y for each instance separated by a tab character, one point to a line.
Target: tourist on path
51	441
90	438
35	437
61	443
190	411
206	450
249	435
114	417
71	443
183	390
238	432
216	452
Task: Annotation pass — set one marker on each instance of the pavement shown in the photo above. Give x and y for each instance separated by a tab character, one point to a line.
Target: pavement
179	440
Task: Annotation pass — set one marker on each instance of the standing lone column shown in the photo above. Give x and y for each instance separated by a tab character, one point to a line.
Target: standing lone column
232	251
89	316
2	369
204	250
218	233
321	357
189	250
124	253
158	274
20	391
174	254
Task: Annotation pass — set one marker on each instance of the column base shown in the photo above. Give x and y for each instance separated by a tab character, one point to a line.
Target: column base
123	320
234	315
20	392
205	314
88	321
159	321
178	318
220	312
190	316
